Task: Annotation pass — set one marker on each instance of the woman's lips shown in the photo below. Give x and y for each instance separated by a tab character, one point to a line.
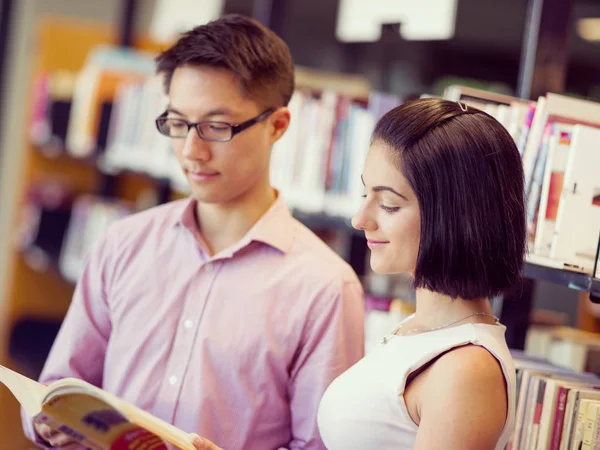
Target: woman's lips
372	243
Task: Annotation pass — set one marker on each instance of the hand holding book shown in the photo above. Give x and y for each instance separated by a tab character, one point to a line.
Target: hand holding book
54	438
203	443
91	417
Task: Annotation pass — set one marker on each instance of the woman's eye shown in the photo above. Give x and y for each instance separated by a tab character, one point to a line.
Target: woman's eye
389	209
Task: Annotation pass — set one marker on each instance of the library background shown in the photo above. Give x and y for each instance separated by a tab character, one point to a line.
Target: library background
79	149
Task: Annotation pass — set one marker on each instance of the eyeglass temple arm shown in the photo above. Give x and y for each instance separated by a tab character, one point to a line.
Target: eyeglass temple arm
242	126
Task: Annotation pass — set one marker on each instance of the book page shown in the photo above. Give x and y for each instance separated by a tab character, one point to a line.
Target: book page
28	392
145	420
92	420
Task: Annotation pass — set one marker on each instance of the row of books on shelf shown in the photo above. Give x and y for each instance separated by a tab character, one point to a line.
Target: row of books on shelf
557	409
557	137
58	228
107	111
558	390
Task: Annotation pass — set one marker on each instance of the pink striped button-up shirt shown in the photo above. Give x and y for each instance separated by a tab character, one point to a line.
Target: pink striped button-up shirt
238	347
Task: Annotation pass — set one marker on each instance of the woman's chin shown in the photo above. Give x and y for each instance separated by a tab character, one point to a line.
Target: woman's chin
385	268
380	267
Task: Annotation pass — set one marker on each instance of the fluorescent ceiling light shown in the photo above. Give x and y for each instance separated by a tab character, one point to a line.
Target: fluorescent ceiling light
589	29
172	17
422	20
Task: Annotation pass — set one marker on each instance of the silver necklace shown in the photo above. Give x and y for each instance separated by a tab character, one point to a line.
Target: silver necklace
387	338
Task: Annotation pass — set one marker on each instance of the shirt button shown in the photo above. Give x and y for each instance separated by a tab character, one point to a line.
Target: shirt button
188	324
172	380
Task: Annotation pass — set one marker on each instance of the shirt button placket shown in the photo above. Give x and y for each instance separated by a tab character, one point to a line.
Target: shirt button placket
174	381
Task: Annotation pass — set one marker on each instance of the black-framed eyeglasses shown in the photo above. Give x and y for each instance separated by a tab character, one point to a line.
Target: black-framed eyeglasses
208	130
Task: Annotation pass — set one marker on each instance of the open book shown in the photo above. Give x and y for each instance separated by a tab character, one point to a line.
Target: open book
96	418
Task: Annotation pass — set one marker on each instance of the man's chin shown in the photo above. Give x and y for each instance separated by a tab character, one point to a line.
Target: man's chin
210	197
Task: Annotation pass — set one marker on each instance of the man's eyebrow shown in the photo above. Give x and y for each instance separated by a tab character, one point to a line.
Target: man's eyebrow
209	114
170	109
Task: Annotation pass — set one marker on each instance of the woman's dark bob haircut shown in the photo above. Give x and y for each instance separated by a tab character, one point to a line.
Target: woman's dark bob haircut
466	172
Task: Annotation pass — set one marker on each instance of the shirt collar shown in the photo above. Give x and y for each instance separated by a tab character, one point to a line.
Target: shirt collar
272	229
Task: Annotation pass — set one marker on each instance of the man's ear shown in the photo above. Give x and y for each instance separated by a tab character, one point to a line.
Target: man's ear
280	119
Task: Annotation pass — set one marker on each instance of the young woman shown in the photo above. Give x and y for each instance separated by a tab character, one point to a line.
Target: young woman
444	202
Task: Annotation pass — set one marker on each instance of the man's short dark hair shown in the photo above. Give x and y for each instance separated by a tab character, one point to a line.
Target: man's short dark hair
467	175
259	59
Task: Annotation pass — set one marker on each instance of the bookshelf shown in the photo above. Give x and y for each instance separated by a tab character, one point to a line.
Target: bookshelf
42	297
548	148
38	299
539	268
536	267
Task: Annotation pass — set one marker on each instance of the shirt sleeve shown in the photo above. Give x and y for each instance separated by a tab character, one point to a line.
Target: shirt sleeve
333	341
79	348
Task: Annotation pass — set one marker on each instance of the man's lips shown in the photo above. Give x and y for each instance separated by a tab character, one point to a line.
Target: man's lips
201	175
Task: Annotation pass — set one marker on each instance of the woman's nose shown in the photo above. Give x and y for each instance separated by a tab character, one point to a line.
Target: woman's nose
362	220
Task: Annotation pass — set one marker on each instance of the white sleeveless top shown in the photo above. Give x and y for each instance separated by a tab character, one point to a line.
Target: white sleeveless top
364	408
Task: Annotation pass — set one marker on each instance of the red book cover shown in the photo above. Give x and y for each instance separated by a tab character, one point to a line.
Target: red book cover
559	416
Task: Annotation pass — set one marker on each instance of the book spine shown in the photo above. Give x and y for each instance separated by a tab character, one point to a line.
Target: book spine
573	423
579	425
535	428
559	418
596	433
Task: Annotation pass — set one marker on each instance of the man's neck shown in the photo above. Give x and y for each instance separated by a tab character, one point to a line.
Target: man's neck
224	225
433	309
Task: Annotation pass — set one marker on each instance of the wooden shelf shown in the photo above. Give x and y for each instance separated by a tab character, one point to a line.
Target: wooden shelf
61	44
540	268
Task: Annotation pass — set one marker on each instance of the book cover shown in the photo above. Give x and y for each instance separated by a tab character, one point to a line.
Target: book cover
96	418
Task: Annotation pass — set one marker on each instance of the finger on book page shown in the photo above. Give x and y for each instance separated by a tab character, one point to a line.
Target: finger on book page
44	431
202	444
63	442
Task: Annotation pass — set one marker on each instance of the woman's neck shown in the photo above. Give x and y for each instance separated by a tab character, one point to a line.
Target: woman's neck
434	309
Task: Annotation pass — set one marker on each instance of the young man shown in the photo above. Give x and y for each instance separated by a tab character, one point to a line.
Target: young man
220	314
